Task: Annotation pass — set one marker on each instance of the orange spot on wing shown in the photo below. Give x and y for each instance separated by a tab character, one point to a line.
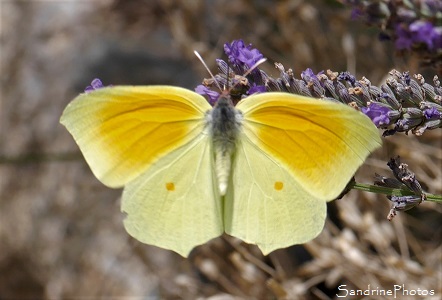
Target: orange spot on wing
279	185
170	186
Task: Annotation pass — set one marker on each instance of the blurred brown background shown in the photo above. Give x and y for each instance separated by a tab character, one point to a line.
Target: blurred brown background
61	230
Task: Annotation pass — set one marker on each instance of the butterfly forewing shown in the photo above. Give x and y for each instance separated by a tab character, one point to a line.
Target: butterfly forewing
321	143
122	130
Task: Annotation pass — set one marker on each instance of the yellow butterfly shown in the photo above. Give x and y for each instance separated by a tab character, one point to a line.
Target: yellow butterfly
261	171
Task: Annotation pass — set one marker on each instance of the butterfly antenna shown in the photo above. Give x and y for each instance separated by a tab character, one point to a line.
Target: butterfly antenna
254	66
227	77
251	69
207	68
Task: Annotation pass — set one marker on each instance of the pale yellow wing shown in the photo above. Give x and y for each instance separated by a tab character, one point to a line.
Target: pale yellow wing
293	153
321	143
122	130
175	204
266	205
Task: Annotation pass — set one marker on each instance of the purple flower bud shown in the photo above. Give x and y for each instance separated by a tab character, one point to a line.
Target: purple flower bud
404	39
401	203
404	175
437	38
347	77
95	85
308	75
379	114
432	113
418	32
205	91
409	182
344	95
256	89
405	202
423	32
433	5
314	85
239	54
406	77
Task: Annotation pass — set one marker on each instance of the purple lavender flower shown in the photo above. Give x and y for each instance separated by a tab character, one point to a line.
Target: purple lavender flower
95	85
205	91
239	54
437	37
418	32
432	113
413	26
402	203
347	77
423	32
256	89
313	82
377	113
433	5
308	75
404	38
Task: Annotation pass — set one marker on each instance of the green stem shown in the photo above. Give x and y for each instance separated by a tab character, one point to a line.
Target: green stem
390	191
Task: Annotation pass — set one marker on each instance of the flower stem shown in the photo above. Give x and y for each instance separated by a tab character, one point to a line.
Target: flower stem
390	191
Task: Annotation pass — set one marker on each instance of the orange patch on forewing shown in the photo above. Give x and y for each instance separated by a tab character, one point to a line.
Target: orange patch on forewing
170	186
279	185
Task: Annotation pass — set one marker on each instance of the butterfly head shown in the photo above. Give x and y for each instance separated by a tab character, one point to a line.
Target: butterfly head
238	78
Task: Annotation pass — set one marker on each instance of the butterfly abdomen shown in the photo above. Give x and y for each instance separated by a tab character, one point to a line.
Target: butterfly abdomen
225	124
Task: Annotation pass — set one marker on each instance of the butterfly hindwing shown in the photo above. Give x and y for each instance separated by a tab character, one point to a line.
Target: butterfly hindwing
175	204
265	205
